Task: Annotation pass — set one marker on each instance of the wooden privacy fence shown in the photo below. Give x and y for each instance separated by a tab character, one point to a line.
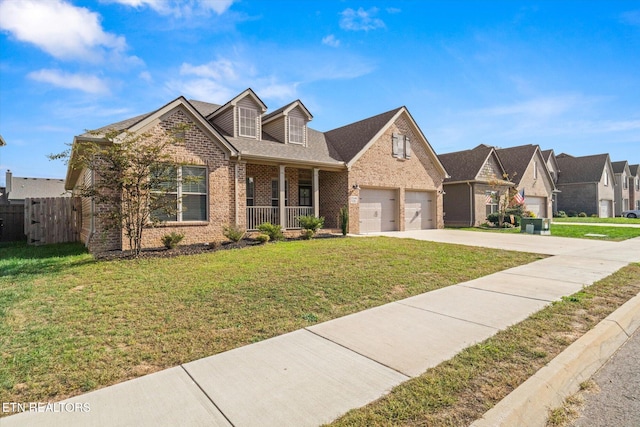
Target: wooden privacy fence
52	220
12	223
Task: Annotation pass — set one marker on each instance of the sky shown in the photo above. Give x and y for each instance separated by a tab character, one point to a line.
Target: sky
561	74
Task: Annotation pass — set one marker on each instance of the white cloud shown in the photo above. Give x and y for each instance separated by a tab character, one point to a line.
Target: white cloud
146	76
221	69
84	82
331	40
59	28
203	90
542	106
360	20
180	8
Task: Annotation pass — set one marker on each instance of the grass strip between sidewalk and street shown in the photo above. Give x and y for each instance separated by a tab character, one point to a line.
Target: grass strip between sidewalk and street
591	220
585	231
461	390
70	324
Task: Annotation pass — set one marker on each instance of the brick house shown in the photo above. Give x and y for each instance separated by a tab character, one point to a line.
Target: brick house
527	169
621	193
475	186
634	186
586	184
258	166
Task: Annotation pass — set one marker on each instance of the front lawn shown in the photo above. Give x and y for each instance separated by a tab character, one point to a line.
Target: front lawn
70	324
589	220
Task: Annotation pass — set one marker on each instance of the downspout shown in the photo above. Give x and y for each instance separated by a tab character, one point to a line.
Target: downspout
471	205
235	186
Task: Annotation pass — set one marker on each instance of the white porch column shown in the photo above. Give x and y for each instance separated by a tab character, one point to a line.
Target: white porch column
281	205
316	193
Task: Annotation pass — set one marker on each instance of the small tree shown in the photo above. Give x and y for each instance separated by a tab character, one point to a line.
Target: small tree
505	200
132	178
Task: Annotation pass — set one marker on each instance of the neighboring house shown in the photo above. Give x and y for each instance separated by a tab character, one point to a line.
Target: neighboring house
621	194
475	186
18	188
2	141
634	186
552	165
586	184
527	169
272	167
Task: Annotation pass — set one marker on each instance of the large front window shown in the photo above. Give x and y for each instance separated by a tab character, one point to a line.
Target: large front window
296	130
248	122
184	191
491	201
275	193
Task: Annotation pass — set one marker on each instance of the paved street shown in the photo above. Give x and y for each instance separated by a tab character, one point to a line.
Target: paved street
618	402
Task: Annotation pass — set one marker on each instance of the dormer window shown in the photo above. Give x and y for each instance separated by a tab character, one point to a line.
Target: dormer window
248	122
296	130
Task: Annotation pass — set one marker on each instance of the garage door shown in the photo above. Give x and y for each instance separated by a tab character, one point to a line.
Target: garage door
605	208
537	205
418	210
377	210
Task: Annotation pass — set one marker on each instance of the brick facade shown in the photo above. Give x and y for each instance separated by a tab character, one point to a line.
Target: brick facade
377	168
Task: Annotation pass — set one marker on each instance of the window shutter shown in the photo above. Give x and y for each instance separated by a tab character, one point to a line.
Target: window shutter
407	147
396	145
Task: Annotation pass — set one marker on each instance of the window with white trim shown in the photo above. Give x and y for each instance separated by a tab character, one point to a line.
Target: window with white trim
637	183
606	178
401	147
535	170
185	188
625	181
248	122
491	201
251	191
296	130
275	192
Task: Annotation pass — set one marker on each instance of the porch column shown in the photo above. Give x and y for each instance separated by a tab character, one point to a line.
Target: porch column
281	205
316	193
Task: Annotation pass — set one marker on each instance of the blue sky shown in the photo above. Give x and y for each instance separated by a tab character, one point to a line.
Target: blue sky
561	74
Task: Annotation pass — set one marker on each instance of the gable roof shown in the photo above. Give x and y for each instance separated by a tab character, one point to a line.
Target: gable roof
581	169
466	165
620	167
247	92
516	159
2	141
285	110
21	188
351	139
634	170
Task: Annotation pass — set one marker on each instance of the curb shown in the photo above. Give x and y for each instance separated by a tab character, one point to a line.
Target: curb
529	404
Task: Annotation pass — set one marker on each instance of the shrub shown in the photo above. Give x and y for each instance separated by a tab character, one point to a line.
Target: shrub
344	220
172	239
233	233
594	215
517	214
528	214
560	214
273	231
262	238
310	225
582	215
572	214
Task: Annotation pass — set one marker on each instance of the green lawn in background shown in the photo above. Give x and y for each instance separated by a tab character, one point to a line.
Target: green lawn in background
589	220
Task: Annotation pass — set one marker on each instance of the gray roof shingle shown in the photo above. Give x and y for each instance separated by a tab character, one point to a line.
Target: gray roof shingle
515	160
634	170
465	165
581	169
618	167
21	188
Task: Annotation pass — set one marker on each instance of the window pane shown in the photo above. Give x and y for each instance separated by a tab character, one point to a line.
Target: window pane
164	178
247	122
250	190
296	130
194	179
194	207
166	208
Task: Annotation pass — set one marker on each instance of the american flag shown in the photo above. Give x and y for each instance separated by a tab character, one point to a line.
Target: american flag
519	197
489	199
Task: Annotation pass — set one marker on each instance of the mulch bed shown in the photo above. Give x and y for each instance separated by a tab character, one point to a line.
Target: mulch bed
191	249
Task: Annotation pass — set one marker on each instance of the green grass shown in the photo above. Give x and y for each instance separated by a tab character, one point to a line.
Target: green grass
576	231
70	324
589	220
459	391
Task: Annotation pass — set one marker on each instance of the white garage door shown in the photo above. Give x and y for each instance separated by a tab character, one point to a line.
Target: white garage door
605	208
377	210
418	210
537	205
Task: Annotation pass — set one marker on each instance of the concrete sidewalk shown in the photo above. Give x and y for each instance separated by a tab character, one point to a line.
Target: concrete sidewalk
314	375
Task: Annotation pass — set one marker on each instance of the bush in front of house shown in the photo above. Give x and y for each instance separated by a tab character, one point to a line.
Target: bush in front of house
310	225
582	215
560	214
572	214
172	240
262	238
344	220
273	231
233	233
516	212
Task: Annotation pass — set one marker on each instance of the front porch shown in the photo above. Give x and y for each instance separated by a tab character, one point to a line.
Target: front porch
257	215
